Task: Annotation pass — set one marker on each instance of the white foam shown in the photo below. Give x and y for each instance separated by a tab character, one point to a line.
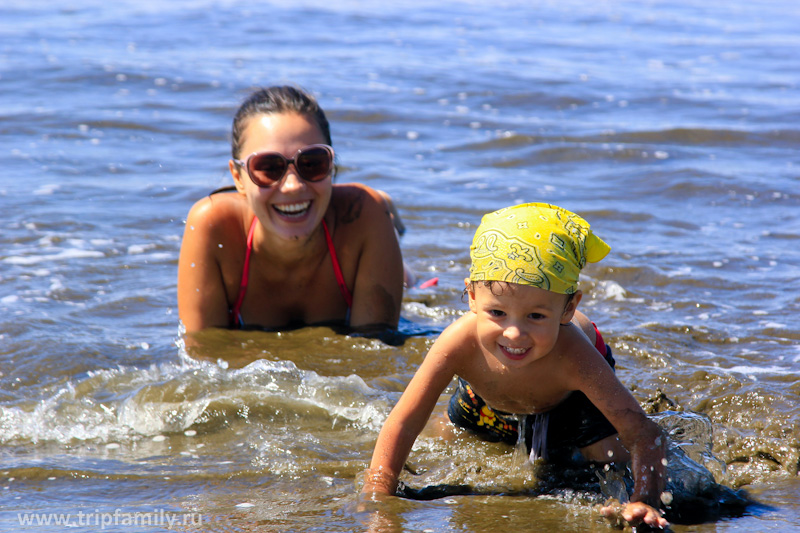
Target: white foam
66	254
46	189
753	370
140	248
168	398
612	290
684	271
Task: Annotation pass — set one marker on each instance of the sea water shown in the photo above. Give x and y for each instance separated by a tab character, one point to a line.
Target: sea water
672	127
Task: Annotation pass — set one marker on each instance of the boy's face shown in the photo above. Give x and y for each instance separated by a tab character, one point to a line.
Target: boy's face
519	324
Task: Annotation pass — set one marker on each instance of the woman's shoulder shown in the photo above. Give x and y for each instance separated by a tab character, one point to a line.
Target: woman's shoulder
358	204
356	192
218	208
218	218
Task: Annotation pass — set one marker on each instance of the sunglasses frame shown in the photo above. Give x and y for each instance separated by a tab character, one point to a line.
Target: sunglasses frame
245	163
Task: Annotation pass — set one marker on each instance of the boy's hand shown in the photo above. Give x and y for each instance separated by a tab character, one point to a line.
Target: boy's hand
633	514
379	481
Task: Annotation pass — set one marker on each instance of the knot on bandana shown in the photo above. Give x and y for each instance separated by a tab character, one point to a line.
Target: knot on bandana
534	244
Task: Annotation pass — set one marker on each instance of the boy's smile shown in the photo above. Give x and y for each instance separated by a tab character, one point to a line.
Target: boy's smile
514	353
518	324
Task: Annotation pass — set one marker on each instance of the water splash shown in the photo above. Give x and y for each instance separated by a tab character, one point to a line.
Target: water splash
692	494
127	403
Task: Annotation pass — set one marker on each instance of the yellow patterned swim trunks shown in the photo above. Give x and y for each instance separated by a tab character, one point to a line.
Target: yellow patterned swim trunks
534	244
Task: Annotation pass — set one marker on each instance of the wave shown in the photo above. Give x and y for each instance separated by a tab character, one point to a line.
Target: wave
129	403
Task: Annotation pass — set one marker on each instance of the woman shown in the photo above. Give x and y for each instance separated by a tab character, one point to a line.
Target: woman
287	247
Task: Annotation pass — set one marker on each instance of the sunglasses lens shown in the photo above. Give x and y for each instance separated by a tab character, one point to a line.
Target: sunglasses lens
314	164
266	169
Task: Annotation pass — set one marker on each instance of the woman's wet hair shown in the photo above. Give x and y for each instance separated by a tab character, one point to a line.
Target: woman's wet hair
276	100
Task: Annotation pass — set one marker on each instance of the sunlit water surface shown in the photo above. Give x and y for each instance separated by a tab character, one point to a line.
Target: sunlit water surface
671	126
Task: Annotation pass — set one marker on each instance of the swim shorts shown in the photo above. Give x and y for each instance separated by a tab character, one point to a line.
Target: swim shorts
574	423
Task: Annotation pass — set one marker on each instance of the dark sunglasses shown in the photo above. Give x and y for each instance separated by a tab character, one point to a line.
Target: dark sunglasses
313	163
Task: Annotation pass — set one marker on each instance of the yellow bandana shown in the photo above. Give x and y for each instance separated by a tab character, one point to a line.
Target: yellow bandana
534	244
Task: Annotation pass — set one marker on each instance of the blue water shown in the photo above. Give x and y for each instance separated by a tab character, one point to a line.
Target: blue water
671	127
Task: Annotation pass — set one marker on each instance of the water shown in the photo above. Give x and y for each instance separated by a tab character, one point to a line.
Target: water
671	127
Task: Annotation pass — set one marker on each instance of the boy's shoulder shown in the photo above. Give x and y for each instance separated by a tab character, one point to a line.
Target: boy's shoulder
464	326
576	355
459	339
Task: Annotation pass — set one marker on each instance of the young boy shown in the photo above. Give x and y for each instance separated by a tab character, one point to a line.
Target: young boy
521	349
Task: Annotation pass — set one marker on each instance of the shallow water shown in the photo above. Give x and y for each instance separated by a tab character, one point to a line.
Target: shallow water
671	127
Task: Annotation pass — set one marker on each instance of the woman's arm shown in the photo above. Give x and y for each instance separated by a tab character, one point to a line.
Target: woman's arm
202	301
378	287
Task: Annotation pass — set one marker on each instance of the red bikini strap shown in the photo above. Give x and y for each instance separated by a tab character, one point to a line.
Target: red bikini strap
237	307
599	343
337	271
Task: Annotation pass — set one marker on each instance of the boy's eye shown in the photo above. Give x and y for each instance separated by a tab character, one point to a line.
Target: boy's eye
496	312
536	316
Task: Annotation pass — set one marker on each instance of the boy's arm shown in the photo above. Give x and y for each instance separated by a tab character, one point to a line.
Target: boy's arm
411	413
592	375
641	436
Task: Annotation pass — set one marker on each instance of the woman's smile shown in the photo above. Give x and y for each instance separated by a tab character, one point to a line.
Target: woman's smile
293	210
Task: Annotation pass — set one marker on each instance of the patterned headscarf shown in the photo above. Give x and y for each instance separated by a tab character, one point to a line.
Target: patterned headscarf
534	244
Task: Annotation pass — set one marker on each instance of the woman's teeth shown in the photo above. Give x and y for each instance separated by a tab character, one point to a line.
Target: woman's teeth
293	210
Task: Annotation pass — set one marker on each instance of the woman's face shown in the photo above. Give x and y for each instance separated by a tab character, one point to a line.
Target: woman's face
292	208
